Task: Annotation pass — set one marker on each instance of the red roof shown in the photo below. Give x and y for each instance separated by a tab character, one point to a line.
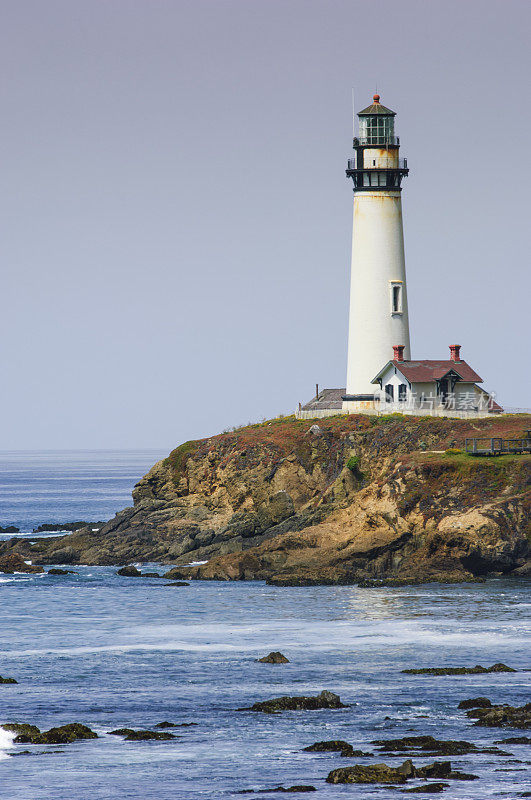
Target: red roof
426	371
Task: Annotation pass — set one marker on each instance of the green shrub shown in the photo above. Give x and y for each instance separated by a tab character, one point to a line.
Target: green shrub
353	464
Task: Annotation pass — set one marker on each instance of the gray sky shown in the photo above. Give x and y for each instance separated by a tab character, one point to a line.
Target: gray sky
176	221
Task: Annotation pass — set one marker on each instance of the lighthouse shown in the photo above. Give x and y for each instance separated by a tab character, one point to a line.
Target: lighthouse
381	377
378	317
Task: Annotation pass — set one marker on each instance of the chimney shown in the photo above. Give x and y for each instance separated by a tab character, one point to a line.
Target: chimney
454	352
398	350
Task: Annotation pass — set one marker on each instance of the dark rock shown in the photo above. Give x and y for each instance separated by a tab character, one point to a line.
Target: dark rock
9	529
176	574
375	773
177	583
475	702
427	788
131	735
298	788
7	680
337	746
140	736
477	670
323	700
515	740
275	657
331	746
502	716
168	725
150	575
58	571
442	769
129	572
66	526
425	744
65	734
121	732
23	732
14	562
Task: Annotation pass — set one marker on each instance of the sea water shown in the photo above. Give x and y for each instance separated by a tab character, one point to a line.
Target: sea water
112	652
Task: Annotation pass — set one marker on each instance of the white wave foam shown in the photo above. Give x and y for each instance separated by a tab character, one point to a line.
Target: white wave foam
6	743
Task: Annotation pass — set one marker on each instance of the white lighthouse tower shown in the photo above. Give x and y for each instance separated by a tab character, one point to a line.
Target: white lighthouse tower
378	297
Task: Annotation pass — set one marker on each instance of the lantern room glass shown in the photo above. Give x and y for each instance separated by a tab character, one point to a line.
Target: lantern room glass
377	129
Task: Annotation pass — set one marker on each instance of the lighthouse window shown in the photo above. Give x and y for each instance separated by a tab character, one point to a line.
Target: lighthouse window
396	298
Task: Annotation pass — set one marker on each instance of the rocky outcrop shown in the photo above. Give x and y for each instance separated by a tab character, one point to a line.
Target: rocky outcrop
502	716
354	498
65	734
14	562
275	657
477	670
324	699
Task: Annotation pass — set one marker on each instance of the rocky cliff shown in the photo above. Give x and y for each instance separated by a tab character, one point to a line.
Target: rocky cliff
344	499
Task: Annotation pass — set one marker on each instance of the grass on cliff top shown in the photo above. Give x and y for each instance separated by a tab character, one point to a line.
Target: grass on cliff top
283	435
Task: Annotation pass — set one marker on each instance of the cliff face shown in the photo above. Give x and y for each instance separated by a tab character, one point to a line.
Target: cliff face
347	498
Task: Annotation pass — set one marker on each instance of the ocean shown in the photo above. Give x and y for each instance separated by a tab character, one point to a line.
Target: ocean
113	652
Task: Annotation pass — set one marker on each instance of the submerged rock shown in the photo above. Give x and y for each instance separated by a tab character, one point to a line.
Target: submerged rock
177	583
427	788
7	680
475	702
14	562
275	657
502	716
477	670
299	703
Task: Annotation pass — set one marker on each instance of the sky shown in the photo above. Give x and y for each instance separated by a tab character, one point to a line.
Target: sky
176	222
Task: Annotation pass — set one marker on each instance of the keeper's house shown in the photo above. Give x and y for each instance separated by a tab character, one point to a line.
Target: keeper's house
432	387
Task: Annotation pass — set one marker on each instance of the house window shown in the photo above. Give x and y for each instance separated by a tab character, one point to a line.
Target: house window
402	393
389	392
396	297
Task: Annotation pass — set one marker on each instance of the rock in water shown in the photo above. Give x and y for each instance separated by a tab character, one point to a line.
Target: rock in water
502	716
275	657
427	788
129	572
337	746
425	744
7	680
475	702
14	562
65	734
57	571
477	670
23	732
374	773
323	700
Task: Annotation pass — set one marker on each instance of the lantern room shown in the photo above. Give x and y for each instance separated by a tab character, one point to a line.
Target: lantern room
377	124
